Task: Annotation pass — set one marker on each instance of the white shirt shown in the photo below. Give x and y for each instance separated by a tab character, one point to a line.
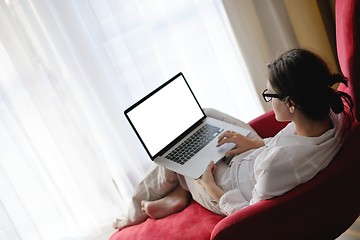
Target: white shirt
285	161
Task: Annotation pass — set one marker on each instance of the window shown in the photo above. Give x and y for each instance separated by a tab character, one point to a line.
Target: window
69	160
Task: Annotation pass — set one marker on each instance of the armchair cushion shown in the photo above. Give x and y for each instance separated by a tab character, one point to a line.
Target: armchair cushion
194	221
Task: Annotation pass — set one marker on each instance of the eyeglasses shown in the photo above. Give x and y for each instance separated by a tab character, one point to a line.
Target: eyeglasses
269	96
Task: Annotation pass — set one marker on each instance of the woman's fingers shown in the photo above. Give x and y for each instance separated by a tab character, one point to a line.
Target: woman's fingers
230	137
210	167
225	137
242	143
226	134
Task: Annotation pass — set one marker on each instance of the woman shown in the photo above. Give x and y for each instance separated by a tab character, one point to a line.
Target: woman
300	90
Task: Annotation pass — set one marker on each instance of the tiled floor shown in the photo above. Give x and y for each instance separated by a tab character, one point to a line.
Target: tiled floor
353	233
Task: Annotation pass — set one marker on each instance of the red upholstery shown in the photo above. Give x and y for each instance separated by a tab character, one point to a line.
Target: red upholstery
322	208
194	222
348	46
271	127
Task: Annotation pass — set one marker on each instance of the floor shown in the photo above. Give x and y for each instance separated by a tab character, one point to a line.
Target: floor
353	233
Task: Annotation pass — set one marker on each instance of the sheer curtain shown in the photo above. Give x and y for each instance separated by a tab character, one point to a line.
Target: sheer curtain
68	69
264	29
268	31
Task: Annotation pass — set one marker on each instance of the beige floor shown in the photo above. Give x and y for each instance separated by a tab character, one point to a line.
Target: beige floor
353	233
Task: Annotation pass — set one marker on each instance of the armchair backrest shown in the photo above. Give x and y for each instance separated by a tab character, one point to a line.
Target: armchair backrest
347	17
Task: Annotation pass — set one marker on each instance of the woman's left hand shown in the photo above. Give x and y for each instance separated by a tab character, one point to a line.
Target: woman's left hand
208	176
207	181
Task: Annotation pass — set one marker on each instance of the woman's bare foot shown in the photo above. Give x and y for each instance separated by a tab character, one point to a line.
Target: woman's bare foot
118	224
126	222
176	201
121	223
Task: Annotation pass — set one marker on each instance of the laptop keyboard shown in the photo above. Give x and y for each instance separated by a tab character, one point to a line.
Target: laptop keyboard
194	144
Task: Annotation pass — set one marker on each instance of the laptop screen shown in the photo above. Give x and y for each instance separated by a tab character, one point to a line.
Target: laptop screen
163	115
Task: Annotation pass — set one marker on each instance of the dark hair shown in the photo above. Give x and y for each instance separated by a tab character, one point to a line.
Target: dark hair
306	79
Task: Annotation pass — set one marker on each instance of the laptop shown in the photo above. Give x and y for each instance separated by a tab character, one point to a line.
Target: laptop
167	120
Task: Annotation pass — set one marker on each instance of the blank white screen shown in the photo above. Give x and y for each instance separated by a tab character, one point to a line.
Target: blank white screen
165	115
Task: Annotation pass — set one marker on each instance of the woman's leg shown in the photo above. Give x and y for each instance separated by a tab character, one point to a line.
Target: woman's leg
158	183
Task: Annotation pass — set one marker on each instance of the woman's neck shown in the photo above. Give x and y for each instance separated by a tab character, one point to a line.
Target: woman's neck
311	128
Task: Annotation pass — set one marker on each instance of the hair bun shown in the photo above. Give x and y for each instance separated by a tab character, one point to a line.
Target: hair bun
336	97
335	100
337	78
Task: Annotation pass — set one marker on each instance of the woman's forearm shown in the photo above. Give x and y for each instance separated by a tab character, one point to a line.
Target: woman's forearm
214	191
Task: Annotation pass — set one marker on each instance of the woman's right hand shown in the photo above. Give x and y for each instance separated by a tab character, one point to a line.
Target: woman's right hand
242	142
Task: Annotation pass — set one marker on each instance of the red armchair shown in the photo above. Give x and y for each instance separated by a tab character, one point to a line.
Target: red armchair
322	208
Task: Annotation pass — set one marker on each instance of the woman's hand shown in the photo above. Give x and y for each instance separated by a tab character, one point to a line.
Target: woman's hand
207	181
242	143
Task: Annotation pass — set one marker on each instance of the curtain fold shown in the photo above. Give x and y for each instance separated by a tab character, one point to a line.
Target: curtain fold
68	69
264	29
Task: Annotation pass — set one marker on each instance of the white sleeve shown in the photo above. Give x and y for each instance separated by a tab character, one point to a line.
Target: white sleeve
274	179
267	140
232	201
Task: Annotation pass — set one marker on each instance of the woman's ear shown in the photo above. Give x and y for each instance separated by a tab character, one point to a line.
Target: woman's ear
290	105
292	109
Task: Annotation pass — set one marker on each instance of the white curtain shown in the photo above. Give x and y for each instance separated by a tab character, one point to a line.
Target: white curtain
68	69
263	30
